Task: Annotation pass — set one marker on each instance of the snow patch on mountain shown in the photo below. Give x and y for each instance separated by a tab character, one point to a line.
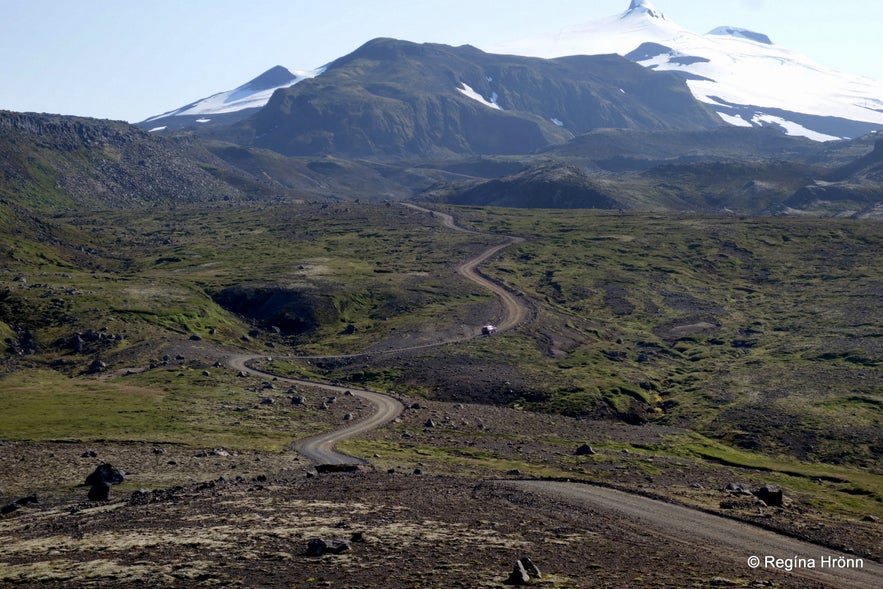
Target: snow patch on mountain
252	95
467	91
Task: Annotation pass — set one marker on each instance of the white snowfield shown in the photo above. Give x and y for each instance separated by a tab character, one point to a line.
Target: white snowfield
467	90
731	67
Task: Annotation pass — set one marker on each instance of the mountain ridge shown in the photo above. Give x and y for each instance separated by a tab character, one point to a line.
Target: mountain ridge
393	98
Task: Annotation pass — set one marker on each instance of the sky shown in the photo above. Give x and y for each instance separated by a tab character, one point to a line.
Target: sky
132	59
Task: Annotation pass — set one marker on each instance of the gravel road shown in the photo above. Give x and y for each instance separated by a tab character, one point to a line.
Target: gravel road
725	537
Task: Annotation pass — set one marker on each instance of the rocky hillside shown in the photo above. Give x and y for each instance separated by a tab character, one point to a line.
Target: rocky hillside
68	162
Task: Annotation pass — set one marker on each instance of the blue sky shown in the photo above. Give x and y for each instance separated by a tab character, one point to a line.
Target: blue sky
131	59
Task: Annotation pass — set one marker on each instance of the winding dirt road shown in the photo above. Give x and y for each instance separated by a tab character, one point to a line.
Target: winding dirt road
320	449
670	522
515	310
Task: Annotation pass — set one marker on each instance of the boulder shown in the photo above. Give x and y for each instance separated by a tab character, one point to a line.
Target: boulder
106	473
771	495
530	567
100	491
518	576
96	366
320	546
77	343
584	450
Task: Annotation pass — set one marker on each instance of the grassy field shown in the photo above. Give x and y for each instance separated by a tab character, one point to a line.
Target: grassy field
762	334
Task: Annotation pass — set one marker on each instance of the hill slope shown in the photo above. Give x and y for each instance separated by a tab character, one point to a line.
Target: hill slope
79	162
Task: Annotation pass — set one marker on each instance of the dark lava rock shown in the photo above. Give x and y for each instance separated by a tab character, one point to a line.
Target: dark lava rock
106	473
100	491
96	366
320	546
519	575
530	567
771	495
584	450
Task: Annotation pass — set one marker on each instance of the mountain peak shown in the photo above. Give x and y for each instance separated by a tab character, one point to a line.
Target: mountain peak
643	7
272	78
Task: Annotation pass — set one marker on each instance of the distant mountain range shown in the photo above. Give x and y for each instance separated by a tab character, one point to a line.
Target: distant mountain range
669	127
740	76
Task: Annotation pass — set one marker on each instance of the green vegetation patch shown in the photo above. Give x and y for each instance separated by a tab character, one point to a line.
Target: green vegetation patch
181	406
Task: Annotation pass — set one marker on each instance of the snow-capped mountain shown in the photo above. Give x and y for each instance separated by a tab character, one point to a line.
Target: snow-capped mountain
232	105
741	74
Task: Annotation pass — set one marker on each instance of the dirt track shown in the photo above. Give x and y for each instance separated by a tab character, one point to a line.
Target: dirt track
320	449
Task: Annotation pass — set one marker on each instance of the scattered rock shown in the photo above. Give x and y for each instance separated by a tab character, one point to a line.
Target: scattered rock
585	450
429	423
771	495
740	504
18	504
518	576
89	454
871	518
96	366
723	582
195	338
738	488
77	343
100	491
320	546
531	568
140	497
298	400
106	473
213	452
206	373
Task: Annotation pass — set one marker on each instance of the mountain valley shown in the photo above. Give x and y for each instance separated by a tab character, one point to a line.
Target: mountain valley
567	272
